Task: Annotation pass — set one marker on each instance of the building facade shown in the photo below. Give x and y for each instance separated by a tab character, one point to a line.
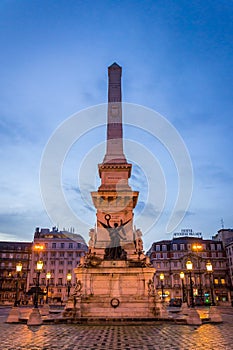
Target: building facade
60	253
226	236
12	254
170	257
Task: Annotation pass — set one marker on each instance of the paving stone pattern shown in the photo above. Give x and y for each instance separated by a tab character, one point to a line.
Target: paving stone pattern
118	337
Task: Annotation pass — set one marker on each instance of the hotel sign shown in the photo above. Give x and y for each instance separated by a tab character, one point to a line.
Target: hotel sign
187	233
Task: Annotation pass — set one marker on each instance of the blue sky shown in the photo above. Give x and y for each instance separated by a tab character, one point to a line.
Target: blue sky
177	60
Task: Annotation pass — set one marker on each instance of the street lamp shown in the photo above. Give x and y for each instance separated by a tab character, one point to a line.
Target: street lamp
39	267
48	276
197	247
18	270
68	277
161	276
189	266
209	269
183	290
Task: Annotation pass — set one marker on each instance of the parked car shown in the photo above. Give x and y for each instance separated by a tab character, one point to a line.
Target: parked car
175	302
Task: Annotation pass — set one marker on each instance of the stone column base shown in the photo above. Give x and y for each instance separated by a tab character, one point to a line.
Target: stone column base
215	315
193	317
44	311
35	318
14	315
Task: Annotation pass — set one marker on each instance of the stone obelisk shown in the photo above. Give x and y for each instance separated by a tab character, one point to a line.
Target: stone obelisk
114	200
115	278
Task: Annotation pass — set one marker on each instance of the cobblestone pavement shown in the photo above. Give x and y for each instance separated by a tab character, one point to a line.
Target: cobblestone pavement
159	336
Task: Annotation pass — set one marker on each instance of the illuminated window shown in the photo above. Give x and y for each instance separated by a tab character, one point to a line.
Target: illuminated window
223	281
216	281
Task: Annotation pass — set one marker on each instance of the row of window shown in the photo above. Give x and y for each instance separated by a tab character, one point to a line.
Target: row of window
167	282
178	264
183	246
14	256
63	245
43	281
58	254
180	255
61	262
10	264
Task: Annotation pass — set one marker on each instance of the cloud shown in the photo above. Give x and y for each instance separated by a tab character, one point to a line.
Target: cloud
8	237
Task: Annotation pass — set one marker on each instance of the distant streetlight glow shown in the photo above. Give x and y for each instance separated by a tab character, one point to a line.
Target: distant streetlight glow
39	265
38	247
189	265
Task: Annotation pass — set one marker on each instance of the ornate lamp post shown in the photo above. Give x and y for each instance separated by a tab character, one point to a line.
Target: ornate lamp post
68	277
197	247
183	290
48	276
18	270
209	268
161	276
39	267
189	266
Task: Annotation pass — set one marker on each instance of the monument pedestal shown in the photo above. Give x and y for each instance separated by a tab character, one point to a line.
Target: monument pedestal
193	317
35	318
14	315
215	315
116	289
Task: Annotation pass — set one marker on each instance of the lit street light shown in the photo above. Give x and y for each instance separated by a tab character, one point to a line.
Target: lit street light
68	277
18	270
197	247
39	267
209	268
189	266
161	276
48	276
183	290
